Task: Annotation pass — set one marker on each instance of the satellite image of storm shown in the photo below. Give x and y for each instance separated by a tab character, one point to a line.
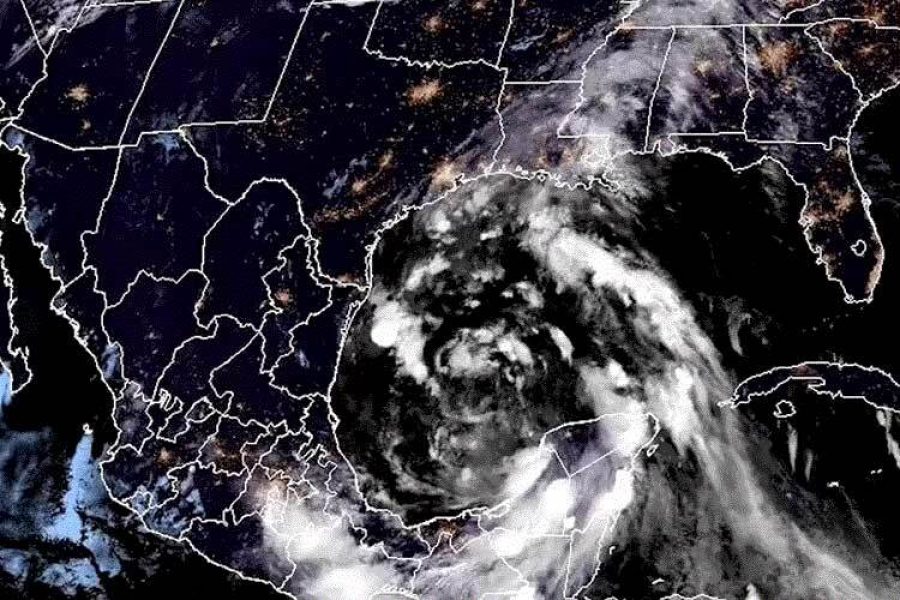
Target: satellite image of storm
449	299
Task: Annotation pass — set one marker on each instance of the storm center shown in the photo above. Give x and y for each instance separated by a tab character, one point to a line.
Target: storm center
495	317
